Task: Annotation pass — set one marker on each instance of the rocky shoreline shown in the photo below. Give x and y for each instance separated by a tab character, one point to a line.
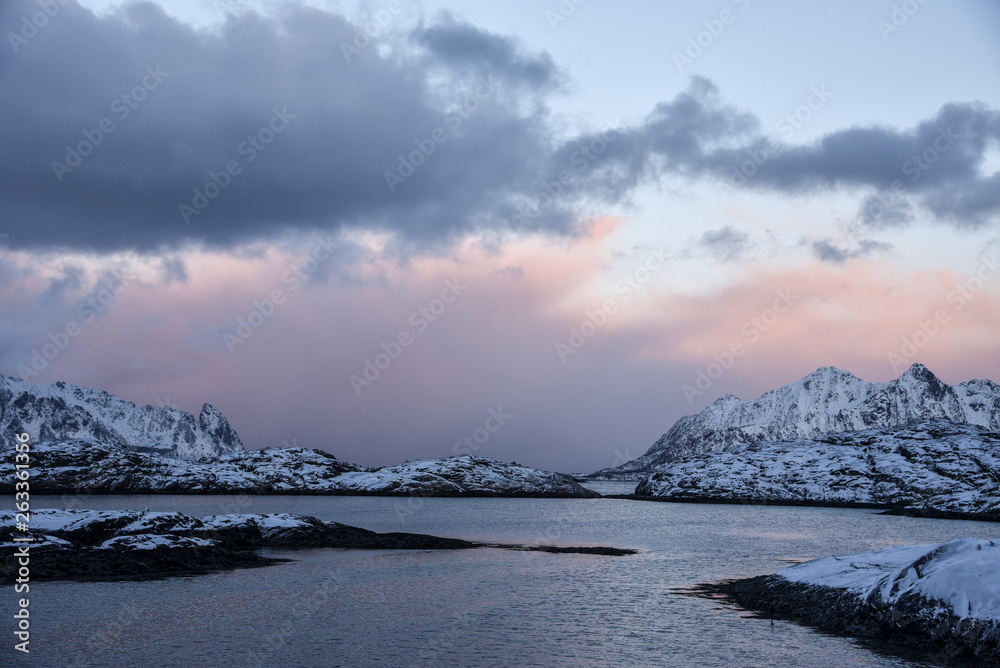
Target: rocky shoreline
100	545
941	600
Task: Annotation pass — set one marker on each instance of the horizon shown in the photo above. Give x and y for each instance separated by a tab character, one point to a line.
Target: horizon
469	446
418	213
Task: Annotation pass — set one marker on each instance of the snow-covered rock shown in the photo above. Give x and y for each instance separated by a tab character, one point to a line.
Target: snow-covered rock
931	467
959	579
941	597
86	466
61	411
97	544
826	401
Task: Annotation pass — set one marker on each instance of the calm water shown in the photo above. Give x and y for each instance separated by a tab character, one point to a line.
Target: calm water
475	607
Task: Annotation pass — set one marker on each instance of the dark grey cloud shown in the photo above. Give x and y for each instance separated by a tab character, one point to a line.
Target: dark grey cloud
934	166
461	44
725	244
207	97
827	251
445	133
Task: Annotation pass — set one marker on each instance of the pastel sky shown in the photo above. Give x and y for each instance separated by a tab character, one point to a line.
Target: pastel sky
373	228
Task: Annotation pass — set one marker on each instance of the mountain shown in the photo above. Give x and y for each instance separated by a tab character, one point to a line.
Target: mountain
931	467
61	411
85	466
826	401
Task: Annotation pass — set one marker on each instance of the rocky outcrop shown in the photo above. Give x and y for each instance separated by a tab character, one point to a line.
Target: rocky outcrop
944	599
61	411
96	545
930	468
826	401
82	467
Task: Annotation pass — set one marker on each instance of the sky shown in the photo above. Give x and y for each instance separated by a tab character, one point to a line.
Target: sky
535	231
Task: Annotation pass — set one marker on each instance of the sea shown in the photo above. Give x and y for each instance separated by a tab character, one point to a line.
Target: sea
480	607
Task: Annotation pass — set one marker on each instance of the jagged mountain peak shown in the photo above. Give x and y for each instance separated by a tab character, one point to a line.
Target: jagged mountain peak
825	401
61	411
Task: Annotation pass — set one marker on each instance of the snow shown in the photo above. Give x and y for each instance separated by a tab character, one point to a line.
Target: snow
933	464
61	411
38	542
828	400
87	464
961	577
267	521
142	529
153	542
71	520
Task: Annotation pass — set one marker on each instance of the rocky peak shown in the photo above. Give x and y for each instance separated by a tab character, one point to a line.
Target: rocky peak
826	401
61	411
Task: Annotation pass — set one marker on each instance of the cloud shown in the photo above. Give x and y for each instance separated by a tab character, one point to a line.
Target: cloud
827	251
460	44
310	137
268	126
725	244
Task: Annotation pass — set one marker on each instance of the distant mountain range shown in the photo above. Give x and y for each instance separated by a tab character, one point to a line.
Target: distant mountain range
60	411
90	442
930	467
824	402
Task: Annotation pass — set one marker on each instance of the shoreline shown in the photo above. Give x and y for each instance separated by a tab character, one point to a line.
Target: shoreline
114	544
885	509
839	612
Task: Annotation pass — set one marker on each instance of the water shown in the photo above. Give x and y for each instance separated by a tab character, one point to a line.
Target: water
475	607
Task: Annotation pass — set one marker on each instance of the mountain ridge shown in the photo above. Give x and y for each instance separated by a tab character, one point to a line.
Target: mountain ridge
828	400
933	467
61	411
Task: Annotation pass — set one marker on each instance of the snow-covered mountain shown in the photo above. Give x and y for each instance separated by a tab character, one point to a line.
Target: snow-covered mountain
931	467
826	401
61	411
87	466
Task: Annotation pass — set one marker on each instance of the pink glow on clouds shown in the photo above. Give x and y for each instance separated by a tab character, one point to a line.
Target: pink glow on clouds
495	346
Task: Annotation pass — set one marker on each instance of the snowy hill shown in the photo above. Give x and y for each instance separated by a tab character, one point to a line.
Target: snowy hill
933	467
826	401
61	411
86	466
939	597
